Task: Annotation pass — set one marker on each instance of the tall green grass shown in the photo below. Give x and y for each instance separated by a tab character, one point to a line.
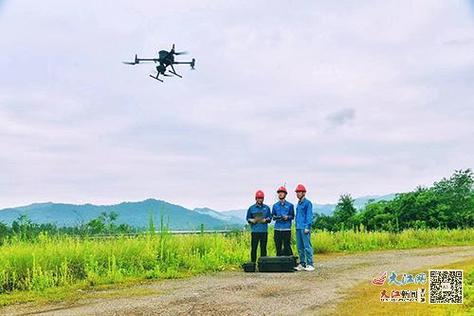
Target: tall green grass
410	238
56	261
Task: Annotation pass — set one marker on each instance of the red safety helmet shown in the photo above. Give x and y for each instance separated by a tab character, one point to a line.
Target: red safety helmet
300	188
282	189
259	194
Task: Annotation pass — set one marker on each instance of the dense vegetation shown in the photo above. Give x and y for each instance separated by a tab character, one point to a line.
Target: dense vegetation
58	261
448	203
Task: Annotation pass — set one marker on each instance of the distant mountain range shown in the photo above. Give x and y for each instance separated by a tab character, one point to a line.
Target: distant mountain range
137	214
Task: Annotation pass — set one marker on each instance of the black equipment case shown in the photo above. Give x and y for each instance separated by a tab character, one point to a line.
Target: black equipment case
276	264
249	267
295	260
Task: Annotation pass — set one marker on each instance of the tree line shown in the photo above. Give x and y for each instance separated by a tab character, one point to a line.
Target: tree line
23	228
448	203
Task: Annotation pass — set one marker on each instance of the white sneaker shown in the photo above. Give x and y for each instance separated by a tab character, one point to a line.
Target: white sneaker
299	267
309	268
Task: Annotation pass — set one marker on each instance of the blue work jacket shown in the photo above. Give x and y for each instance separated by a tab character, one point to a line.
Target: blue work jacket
304	214
259	211
279	210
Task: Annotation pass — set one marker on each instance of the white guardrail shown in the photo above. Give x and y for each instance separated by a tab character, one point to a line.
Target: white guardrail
173	232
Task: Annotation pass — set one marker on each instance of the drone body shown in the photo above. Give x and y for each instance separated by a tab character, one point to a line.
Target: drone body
165	59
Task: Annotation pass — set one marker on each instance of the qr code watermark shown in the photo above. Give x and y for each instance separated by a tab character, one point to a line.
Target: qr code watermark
446	286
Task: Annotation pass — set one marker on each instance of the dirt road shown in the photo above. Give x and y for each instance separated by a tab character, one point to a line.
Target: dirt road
237	293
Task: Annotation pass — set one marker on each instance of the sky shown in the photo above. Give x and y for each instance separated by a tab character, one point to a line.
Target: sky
345	97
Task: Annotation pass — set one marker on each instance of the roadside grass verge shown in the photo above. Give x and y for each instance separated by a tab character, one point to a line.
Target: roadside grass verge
79	291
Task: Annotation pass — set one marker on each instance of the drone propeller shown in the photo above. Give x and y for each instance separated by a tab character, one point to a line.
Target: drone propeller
136	61
177	53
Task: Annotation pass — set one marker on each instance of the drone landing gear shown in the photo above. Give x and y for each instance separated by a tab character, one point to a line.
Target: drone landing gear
156	78
174	73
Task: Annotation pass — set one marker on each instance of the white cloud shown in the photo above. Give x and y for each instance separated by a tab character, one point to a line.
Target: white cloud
362	98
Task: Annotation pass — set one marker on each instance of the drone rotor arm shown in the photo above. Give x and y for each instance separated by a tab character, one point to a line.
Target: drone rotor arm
141	60
155	60
183	62
191	63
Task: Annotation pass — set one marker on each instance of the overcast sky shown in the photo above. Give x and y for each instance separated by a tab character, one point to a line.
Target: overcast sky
354	97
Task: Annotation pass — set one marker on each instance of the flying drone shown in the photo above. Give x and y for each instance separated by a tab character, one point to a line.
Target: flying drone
165	60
